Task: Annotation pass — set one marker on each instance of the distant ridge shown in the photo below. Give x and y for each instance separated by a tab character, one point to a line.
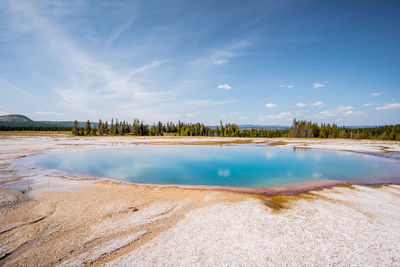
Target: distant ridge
15	118
265	127
18	120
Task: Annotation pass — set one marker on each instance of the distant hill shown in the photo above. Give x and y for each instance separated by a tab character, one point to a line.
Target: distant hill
15	118
264	127
258	127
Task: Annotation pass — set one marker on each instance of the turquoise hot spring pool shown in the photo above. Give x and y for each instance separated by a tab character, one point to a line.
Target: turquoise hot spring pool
252	166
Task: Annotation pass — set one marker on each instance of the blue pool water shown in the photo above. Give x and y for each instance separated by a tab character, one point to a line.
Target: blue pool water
239	165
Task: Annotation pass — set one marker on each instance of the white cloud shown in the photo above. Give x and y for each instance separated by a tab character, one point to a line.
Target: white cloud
375	94
369	105
315	104
270	105
287	116
389	106
302	105
335	112
339	112
224	86
282	115
219	61
352	112
317	85
48	113
224	173
286	86
325	82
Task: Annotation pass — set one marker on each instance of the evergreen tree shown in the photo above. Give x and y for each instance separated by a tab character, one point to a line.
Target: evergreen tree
112	126
93	131
75	128
87	128
106	130
100	127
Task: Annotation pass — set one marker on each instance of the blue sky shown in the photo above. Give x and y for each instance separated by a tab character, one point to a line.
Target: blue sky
258	62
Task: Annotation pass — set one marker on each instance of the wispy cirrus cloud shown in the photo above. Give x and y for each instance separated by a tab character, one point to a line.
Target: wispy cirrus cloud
91	82
95	87
148	66
389	106
119	30
108	59
375	94
223	56
12	86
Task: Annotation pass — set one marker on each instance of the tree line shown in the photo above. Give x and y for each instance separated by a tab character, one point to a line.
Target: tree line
34	128
308	129
138	128
301	129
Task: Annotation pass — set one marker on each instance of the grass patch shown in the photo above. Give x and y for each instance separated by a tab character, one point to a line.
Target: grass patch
35	133
278	143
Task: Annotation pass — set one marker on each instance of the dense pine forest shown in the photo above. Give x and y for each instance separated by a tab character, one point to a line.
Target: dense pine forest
302	129
138	128
34	128
307	129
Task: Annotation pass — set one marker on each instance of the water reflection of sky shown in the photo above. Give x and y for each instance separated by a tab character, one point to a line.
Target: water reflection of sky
242	165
